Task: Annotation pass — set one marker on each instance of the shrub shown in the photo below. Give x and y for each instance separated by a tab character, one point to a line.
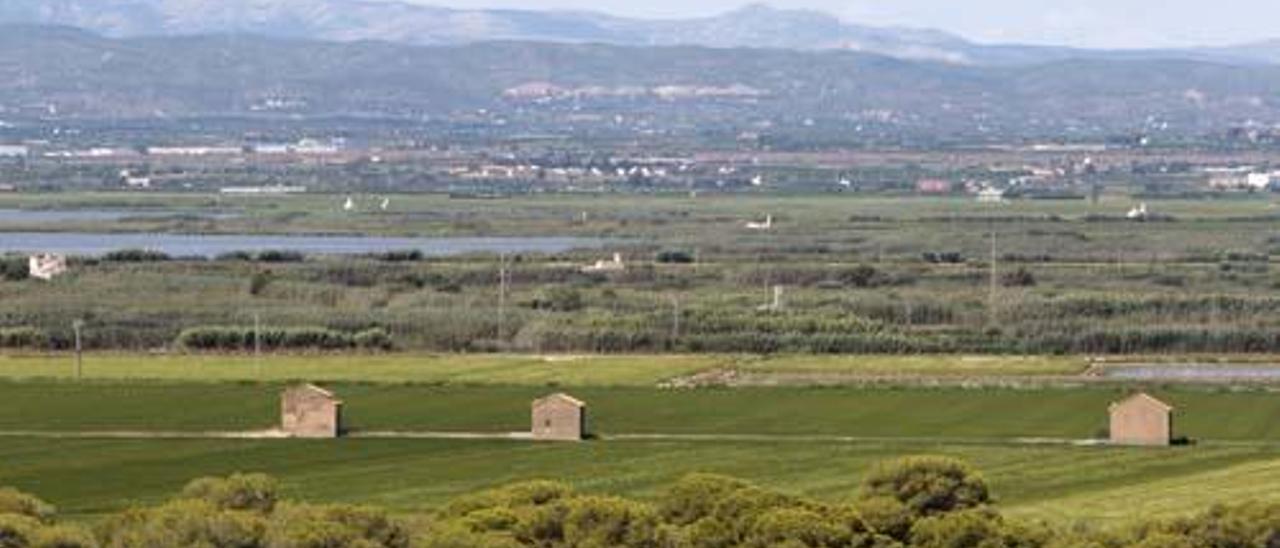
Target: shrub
135	256
252	492
1018	278
401	256
15	502
307	526
928	485
259	282
185	522
558	299
674	256
239	339
23	337
232	256
14	269
373	339
280	256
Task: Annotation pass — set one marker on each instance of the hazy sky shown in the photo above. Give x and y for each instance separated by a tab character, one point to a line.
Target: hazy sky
1094	23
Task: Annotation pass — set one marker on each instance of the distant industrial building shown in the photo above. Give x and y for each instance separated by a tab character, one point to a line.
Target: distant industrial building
1141	419
933	186
308	411
257	190
14	151
194	151
559	417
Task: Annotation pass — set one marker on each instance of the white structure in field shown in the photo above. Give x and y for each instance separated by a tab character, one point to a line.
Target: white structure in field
1139	213
385	205
615	265
47	266
991	195
134	181
766	225
777	305
349	205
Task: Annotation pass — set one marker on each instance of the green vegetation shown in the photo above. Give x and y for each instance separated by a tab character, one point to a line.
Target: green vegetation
862	274
784	438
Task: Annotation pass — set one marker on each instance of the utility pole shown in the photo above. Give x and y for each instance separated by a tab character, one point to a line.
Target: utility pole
257	345
502	296
675	318
991	292
77	326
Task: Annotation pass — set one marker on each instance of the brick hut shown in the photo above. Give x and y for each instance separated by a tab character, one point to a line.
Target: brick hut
1141	419
559	417
308	411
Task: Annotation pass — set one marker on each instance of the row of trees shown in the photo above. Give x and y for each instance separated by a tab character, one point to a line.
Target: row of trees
926	502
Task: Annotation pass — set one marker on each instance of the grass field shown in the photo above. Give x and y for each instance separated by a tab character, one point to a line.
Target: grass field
399	368
87	478
506	369
938	414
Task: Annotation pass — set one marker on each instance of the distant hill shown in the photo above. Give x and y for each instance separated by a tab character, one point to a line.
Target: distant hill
754	26
64	72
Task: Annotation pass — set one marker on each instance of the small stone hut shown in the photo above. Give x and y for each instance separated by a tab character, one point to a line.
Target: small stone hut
559	417
308	411
1141	419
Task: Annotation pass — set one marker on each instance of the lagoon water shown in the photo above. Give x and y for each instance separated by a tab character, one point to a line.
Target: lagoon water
1190	372
73	243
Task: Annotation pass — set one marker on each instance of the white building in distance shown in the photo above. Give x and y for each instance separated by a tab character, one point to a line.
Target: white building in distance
47	266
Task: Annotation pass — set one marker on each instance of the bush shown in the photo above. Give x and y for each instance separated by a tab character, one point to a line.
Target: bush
135	256
928	485
403	256
251	492
280	256
674	256
186	522
306	526
15	502
241	339
259	282
15	269
373	339
234	256
1018	278
558	299
23	337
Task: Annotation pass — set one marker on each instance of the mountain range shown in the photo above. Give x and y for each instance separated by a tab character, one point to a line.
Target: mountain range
62	72
754	26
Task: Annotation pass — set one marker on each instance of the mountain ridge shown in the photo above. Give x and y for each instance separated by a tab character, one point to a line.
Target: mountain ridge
67	73
754	26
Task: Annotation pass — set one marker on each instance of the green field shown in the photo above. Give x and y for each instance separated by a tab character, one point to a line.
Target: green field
796	450
936	414
91	477
486	369
407	368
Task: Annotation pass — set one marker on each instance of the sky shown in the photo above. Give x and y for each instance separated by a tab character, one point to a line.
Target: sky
1085	23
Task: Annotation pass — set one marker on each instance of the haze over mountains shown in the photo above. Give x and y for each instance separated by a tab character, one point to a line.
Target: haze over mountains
753	26
514	71
63	72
